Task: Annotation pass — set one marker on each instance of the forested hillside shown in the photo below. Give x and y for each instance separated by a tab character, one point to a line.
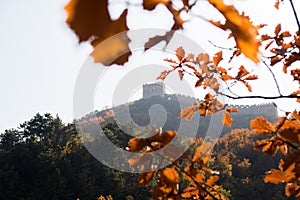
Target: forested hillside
45	159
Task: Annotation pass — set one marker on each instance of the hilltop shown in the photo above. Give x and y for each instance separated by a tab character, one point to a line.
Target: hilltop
167	108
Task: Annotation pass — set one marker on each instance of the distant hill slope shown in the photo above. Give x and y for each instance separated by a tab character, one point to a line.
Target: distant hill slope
167	108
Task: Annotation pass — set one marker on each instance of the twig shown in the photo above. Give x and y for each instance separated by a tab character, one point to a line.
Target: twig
274	78
225	48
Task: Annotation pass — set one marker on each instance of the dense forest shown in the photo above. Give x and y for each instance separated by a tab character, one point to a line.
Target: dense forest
45	158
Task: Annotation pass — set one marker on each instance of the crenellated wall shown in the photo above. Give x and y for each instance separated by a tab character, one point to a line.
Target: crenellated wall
153	89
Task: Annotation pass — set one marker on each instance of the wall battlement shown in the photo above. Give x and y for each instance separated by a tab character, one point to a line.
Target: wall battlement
153	89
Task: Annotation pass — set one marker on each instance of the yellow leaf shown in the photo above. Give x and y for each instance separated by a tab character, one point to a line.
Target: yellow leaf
243	31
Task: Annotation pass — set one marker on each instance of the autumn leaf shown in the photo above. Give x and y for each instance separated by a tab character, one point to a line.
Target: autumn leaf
151	4
243	31
90	20
171	175
276	176
146	177
291	135
217	58
136	144
180	73
164	74
139	160
232	110
227	119
187	113
261	125
180	53
202	152
189	192
212	180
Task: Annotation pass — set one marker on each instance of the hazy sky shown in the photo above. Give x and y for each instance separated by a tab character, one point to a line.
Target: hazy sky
40	57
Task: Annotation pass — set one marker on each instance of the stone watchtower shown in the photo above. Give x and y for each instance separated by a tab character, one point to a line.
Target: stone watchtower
153	89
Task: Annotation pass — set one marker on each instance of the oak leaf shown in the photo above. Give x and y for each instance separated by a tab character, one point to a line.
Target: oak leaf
261	125
90	20
227	119
146	177
242	29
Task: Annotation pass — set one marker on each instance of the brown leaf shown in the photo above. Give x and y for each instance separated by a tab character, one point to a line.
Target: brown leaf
261	125
146	177
187	113
180	53
291	135
159	38
290	60
180	73
277	29
139	160
251	77
136	144
151	4
90	19
164	74
227	119
243	31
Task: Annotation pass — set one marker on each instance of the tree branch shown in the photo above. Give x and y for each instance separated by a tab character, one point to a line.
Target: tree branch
295	14
259	96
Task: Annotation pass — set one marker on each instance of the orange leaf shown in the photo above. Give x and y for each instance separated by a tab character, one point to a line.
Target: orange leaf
276	176
171	175
145	178
261	125
189	192
232	110
242	72
217	58
243	31
227	119
90	20
202	151
212	180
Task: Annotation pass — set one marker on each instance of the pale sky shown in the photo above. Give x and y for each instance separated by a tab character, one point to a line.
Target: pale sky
40	56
